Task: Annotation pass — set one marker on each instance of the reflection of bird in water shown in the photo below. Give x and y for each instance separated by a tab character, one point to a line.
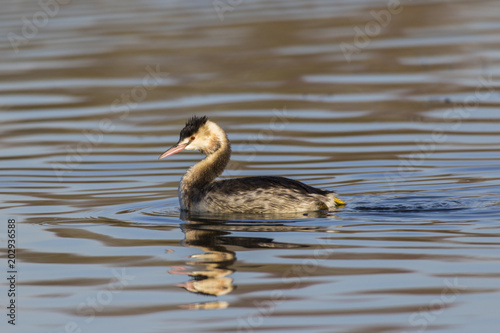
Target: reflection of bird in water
198	192
210	281
211	270
211	273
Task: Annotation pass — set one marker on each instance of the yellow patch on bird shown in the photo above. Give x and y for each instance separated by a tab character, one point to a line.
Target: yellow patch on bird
339	202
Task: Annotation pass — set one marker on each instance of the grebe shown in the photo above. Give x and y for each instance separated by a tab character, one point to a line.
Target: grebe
199	192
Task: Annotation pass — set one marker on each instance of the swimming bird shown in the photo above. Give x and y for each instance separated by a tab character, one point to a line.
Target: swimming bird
199	192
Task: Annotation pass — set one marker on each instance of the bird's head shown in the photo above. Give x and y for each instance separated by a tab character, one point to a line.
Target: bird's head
198	134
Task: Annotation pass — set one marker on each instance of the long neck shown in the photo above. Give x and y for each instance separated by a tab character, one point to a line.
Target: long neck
204	172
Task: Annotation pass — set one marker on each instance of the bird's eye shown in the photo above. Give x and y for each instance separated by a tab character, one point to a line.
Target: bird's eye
192	138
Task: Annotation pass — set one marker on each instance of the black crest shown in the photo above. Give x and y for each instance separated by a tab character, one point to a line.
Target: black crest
192	126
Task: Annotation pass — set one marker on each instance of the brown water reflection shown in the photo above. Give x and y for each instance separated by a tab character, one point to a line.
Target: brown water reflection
406	132
213	277
214	237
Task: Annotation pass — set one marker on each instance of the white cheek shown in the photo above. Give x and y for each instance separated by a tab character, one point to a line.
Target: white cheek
193	146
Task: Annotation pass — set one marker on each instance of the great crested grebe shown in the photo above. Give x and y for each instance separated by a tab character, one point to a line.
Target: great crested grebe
199	192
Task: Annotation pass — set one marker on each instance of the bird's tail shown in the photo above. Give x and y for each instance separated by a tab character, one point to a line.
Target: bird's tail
336	201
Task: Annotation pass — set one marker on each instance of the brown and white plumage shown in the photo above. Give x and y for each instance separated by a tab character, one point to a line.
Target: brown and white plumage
199	192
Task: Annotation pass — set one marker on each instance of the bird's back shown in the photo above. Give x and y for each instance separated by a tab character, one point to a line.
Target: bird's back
263	194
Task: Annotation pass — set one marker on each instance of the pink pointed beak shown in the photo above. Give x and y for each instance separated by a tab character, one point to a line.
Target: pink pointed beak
174	150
